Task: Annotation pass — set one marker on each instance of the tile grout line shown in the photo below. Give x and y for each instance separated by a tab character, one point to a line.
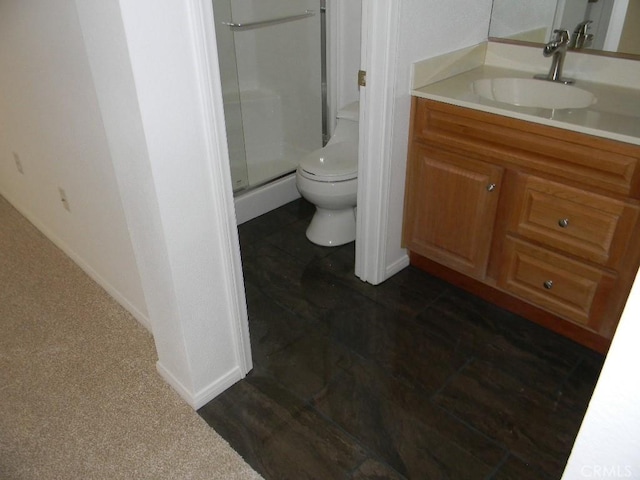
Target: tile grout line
449	379
371	453
497	468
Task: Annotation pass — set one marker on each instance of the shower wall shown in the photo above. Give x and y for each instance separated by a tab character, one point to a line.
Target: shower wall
271	76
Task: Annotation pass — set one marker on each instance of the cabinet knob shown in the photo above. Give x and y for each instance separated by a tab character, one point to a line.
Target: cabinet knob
563	222
548	284
491	187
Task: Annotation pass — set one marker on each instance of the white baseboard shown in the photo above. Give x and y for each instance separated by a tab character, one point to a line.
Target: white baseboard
204	396
266	198
95	276
397	266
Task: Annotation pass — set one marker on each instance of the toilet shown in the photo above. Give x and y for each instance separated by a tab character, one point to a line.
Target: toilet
328	178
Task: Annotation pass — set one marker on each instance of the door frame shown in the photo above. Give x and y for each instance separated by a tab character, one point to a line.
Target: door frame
379	46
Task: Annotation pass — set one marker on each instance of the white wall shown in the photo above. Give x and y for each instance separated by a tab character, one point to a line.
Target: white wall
347	41
51	119
427	28
509	18
608	443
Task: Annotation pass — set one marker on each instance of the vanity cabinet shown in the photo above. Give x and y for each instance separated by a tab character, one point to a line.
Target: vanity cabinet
540	220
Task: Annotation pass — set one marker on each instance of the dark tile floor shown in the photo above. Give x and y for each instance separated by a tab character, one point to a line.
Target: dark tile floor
411	379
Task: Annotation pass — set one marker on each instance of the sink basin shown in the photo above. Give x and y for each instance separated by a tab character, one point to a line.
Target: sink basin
529	92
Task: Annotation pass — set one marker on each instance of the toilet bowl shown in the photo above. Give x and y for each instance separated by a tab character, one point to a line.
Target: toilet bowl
328	178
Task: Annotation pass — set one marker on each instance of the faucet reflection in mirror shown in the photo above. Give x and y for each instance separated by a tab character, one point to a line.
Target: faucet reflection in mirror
581	38
611	25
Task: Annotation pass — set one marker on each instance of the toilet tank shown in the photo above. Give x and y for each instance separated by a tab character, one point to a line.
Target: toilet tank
349	112
347	124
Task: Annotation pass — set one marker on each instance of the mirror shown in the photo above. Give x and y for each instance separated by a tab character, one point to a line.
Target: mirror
612	28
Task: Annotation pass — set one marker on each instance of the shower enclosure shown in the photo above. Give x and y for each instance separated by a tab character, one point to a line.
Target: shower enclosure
270	55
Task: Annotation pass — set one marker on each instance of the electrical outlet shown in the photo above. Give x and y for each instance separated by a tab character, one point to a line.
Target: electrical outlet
63	199
16	158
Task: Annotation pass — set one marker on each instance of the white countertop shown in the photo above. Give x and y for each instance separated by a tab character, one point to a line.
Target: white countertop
615	115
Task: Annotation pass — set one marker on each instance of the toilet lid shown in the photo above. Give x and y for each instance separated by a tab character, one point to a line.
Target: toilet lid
332	163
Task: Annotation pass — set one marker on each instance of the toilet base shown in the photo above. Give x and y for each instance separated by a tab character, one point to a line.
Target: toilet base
330	228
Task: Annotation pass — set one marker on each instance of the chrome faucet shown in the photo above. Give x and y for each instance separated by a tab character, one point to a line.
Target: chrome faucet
557	48
581	38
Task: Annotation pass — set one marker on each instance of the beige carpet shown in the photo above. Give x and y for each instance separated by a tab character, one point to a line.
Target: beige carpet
79	394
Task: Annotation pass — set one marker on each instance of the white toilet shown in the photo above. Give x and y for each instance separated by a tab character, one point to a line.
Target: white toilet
328	178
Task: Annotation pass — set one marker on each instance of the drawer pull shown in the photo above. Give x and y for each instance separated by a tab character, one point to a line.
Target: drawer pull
563	222
491	187
548	284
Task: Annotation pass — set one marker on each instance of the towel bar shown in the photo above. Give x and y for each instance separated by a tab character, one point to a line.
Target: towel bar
271	21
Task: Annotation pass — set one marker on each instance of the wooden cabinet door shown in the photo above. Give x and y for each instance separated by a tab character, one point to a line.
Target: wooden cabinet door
450	208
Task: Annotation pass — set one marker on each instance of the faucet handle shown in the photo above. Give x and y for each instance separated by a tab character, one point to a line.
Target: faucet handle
561	36
582	27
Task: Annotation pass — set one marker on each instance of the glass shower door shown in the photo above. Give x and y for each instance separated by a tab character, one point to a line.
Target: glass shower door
231	97
270	62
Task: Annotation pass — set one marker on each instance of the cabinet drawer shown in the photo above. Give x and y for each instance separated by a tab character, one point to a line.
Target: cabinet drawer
556	283
578	222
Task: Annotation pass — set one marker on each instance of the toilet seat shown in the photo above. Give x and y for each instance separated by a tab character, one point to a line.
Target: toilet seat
333	163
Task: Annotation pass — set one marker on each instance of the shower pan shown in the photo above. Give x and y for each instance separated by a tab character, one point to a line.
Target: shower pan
270	56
